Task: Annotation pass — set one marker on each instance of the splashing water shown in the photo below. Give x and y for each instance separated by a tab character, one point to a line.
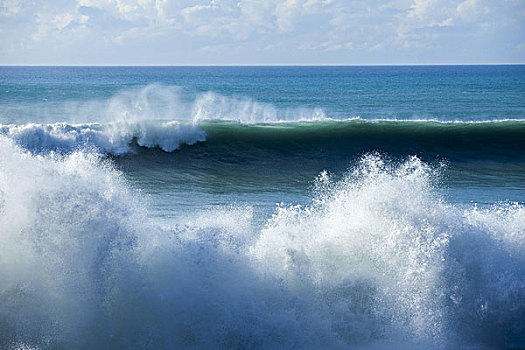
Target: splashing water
376	260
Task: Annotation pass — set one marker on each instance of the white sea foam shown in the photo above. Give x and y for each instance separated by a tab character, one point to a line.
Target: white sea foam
113	138
384	251
376	260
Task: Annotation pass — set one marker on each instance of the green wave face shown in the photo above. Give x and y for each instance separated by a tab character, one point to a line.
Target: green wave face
327	139
267	157
455	140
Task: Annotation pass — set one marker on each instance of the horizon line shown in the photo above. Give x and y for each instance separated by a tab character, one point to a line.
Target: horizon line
259	65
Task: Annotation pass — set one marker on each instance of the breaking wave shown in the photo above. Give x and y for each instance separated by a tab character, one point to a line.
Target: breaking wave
154	116
376	260
113	138
501	139
169	117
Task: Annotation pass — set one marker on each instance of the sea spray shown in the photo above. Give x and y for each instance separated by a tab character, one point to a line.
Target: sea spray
158	102
376	239
82	266
213	106
381	249
377	259
63	224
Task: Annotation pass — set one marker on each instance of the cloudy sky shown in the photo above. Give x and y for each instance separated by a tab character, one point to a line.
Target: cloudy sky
261	31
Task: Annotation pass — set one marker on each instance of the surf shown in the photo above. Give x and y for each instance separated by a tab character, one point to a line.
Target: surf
170	118
375	259
455	140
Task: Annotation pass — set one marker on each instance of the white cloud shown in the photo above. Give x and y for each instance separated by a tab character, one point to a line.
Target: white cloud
63	20
341	29
470	10
9	7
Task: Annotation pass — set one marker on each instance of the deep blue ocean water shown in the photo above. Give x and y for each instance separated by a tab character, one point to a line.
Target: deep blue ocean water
262	207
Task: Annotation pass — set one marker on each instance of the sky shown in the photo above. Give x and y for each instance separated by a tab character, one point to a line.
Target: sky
230	32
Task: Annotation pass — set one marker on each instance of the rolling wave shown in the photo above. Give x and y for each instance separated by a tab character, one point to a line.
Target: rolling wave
171	117
504	138
108	139
355	136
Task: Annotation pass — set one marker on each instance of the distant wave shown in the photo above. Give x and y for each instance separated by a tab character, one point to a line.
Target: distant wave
377	260
486	138
169	117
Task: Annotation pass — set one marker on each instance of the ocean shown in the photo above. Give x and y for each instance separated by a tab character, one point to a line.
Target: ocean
351	207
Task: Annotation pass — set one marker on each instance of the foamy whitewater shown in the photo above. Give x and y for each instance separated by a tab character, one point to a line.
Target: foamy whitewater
159	217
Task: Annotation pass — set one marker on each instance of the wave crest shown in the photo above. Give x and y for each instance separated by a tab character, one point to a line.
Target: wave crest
113	138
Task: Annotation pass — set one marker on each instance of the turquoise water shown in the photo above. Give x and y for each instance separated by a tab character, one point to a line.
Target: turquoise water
262	207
